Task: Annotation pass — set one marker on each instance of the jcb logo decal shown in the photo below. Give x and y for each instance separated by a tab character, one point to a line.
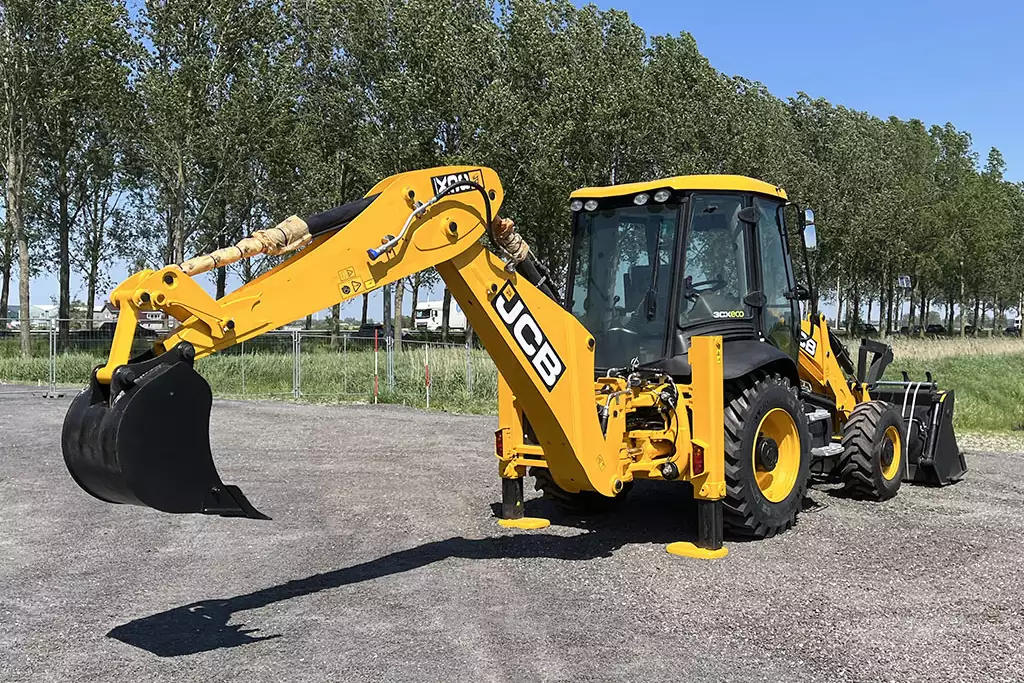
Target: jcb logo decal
528	335
808	344
443	182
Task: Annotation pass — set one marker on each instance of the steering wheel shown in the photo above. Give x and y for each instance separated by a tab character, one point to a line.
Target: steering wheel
692	291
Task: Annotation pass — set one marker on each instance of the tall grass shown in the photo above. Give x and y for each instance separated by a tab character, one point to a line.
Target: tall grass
325	375
987	375
989	387
934	349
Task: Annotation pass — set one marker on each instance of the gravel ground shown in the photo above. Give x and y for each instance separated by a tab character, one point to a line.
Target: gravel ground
384	563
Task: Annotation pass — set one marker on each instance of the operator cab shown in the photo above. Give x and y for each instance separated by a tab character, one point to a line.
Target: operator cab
653	264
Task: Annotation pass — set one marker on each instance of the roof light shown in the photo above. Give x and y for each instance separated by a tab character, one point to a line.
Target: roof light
576	205
590	205
641	199
661	196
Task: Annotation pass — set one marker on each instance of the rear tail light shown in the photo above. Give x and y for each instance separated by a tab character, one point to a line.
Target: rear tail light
697	461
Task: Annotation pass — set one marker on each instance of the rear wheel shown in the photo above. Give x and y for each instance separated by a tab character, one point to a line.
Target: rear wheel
874	451
583	503
767	456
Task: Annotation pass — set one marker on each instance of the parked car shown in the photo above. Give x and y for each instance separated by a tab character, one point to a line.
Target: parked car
1012	331
369	331
935	330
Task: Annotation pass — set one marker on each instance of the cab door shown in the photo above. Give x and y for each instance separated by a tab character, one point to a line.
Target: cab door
780	317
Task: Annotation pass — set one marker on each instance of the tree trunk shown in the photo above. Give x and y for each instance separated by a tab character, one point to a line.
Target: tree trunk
221	274
63	255
417	279
910	313
839	300
445	314
24	299
399	297
335	325
15	176
178	217
366	305
963	298
5	273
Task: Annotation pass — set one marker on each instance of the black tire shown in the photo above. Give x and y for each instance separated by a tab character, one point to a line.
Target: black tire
581	504
747	511
864	468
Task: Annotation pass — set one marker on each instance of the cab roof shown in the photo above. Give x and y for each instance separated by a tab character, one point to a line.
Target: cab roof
733	183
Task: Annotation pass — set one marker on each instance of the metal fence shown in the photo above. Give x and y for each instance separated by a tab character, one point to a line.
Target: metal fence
285	364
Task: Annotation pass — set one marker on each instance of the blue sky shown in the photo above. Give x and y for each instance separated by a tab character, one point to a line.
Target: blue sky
937	61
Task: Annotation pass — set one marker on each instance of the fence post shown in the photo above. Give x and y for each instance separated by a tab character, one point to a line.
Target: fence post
53	358
469	367
426	370
390	341
376	364
296	364
344	364
241	352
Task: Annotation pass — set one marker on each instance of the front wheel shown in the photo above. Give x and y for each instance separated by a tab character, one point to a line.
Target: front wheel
874	443
767	455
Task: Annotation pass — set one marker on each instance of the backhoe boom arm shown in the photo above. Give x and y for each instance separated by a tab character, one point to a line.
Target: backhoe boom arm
407	223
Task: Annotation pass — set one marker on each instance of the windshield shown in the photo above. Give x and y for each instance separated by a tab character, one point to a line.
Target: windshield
617	293
421	314
715	275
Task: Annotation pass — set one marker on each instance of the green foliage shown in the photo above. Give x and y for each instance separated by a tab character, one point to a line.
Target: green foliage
193	122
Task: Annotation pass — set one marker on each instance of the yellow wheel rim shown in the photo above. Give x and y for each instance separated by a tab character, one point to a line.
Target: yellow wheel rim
776	480
892	436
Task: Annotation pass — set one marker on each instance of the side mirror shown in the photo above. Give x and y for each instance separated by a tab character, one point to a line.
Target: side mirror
810	237
799	293
810	233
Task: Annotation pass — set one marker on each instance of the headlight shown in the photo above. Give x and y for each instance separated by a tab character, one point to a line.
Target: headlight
576	205
591	205
641	199
661	196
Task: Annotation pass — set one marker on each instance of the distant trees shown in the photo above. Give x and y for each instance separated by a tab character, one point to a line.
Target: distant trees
149	137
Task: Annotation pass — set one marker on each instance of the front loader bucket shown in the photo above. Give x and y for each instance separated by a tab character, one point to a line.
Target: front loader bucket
144	439
933	456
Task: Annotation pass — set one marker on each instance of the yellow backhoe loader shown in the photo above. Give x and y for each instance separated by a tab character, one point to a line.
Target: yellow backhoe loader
676	353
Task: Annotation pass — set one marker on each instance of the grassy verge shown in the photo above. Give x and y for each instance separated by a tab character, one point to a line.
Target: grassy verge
989	388
324	376
987	374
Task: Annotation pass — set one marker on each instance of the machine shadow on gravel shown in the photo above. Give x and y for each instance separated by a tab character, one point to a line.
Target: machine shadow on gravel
204	625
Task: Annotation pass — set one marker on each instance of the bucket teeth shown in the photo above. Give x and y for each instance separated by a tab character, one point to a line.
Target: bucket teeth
144	440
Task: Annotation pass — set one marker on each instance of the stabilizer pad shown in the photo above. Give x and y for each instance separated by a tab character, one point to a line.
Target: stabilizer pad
525	523
687	549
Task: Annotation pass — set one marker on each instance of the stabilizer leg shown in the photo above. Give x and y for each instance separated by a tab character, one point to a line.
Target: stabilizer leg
512	507
512	498
710	534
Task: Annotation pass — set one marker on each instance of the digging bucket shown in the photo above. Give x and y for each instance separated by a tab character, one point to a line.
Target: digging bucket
144	439
933	456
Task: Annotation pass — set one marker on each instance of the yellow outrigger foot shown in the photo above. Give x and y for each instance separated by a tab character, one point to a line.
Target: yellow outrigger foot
687	549
525	523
